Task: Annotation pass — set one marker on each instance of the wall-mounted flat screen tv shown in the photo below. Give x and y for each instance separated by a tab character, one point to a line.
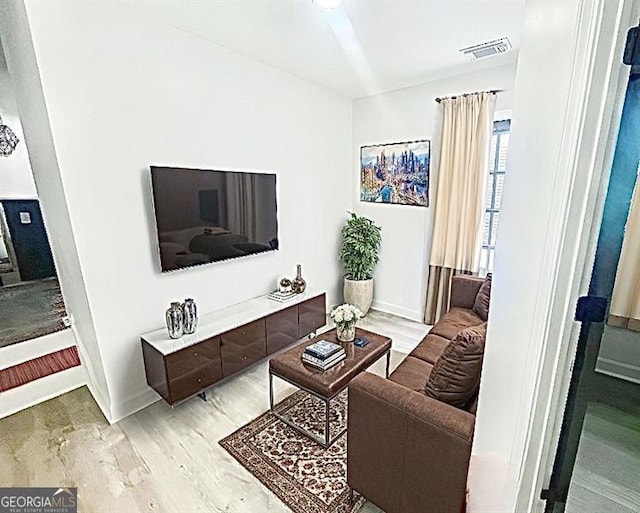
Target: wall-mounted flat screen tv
206	216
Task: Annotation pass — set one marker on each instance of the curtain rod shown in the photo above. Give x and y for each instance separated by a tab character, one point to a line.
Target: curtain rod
493	91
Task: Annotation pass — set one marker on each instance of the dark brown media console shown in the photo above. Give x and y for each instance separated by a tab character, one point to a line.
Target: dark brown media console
189	371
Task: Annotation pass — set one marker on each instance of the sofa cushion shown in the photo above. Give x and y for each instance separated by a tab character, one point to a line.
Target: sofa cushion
454	321
455	376
464	289
412	373
472	405
430	348
481	304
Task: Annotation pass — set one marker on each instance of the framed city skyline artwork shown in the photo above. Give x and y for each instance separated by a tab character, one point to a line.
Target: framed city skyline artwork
396	173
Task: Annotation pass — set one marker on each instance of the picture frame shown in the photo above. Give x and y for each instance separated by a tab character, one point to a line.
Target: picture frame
396	173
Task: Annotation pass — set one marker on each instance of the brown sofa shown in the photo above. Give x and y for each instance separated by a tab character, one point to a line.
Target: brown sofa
407	451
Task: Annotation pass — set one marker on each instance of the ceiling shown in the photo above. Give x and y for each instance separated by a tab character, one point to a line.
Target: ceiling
360	49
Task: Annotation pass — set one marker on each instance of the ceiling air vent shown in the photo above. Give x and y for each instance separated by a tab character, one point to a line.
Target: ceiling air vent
487	49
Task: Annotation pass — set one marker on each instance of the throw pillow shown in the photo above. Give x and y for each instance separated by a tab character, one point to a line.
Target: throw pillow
456	374
481	304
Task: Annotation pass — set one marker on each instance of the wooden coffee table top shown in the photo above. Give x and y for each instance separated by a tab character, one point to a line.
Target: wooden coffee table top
328	383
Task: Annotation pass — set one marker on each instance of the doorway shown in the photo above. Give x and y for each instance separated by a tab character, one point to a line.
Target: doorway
29	239
31	303
597	463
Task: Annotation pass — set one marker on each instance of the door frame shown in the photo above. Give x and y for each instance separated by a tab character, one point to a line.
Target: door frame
554	373
8	243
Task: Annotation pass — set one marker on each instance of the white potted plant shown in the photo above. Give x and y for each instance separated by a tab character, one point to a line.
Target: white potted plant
359	254
345	318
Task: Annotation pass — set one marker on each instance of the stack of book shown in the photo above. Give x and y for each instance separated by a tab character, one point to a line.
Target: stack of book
323	355
276	295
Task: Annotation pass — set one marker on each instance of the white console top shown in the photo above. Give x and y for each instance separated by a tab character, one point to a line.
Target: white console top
221	321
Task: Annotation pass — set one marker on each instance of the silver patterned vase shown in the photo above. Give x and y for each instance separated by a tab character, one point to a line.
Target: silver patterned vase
173	317
298	285
189	316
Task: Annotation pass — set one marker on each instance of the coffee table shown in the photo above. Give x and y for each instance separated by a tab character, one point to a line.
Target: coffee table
326	385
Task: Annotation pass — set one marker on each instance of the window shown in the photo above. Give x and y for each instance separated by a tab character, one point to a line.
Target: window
497	170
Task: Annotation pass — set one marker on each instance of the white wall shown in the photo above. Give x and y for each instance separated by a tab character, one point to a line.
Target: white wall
408	115
16	178
124	93
22	65
562	80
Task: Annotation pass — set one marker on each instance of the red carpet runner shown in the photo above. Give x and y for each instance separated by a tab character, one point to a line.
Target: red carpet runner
37	368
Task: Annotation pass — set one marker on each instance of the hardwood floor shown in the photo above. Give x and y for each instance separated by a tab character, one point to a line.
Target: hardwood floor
607	473
160	459
405	334
168	460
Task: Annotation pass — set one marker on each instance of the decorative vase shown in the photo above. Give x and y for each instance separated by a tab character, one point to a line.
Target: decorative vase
298	284
359	293
189	316
174	320
284	285
346	333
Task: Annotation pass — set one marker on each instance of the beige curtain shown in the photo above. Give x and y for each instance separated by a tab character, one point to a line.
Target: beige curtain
625	303
459	202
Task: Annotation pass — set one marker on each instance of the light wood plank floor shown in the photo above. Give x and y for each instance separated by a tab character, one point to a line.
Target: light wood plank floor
160	459
169	460
606	478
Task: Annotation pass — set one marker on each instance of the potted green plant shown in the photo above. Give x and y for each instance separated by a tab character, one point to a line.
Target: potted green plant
359	254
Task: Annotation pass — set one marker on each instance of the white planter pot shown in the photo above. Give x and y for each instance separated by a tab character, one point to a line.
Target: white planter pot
359	293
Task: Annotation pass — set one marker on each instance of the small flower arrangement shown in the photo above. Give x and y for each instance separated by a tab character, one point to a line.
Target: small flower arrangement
345	318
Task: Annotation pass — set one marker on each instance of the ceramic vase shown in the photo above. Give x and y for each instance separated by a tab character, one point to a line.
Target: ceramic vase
173	317
346	333
298	285
189	316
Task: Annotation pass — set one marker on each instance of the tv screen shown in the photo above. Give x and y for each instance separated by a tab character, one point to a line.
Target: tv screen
206	216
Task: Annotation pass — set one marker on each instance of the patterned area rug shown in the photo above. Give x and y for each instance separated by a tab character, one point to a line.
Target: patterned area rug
30	310
304	475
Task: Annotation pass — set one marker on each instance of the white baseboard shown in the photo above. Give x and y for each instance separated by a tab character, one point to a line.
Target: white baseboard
400	311
34	348
133	404
40	390
618	369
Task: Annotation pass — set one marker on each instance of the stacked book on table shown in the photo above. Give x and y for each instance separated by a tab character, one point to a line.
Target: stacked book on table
323	355
282	297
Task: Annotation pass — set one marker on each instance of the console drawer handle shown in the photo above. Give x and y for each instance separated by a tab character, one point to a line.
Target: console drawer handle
195	354
244	357
199	380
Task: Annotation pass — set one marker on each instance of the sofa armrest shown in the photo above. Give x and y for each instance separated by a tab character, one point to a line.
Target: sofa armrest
437	416
406	452
464	290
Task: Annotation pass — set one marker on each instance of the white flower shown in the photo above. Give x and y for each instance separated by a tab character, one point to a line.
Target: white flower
346	315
